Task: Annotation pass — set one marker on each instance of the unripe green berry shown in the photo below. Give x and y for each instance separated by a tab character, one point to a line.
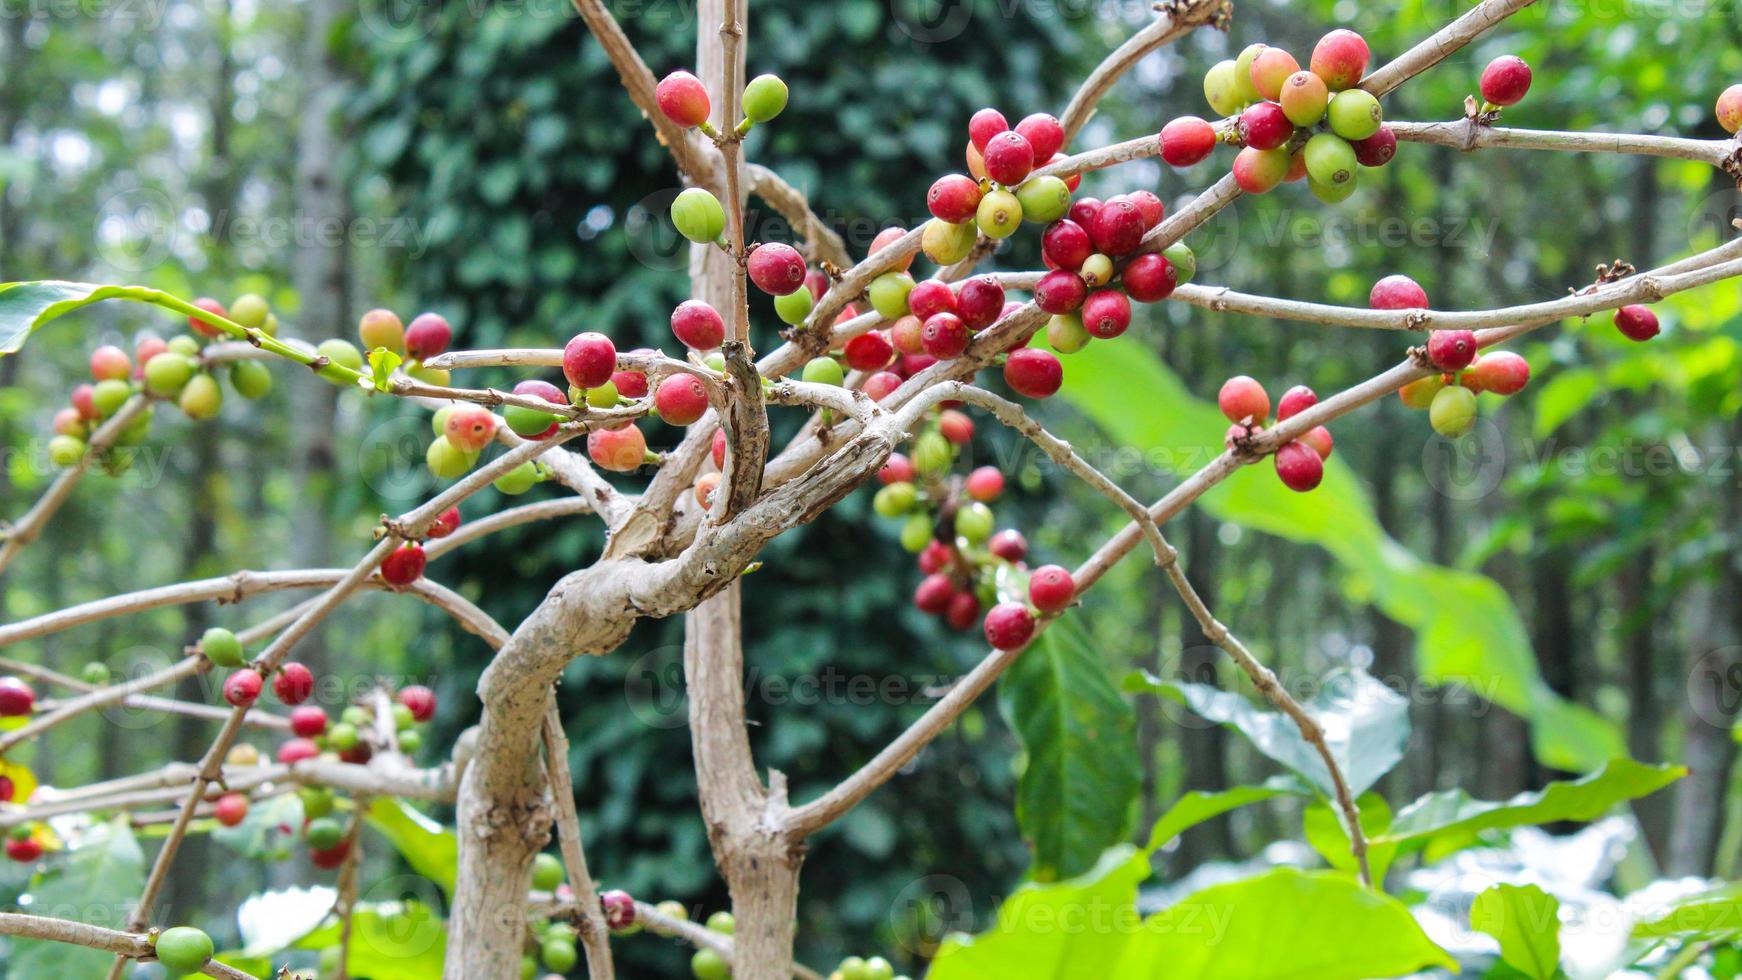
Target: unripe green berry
1355	114
715	361
547	872
1453	411
604	396
324	834
166	373
974	522
1043	199
429	375
1220	88
222	647
317	801
403	719
888	294
916	533
95	673
519	479
1183	260
340	354
527	422
447	461
558	955
183	949
342	736
794	306
200	397
250	310
824	371
723	923
852	968
439	421
878	968
698	216
251	379
356	715
1244	87
1330	159
184	345
999	214
895	499
108	396
1066	333
65	451
932	453
673	910
410	742
764	98
707	965
945	243
1331	193
137	429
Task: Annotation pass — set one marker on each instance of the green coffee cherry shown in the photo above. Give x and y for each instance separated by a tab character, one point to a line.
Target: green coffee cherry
222	647
715	360
1043	199
604	396
251	379
341	354
403	719
723	923
108	396
888	294
1331	193
558	955
1355	114
166	373
528	967
342	736
183	344
201	398
1220	88
947	244
673	910
356	715
916	533
527	422
1183	260
1066	333
878	968
547	872
317	801
446	460
95	673
794	306
1244	87
1453	411
764	98
698	216
852	968
438	422
410	742
250	310
932	453
895	499
183	949
974	522
999	214
65	451
1330	159
824	371
324	834
519	479
707	965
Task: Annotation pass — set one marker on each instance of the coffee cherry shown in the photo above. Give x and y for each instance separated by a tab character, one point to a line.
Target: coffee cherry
1264	126
24	850
880	385
1009	625
108	396
680	399
16	697
1149	278
905	335
403	566
1243	401
1319	438
83	401
953	198
895	500
308	721
1060	291
964	611
67	422
980	302
1294	401
819	281
589	360
183	949
1451	350
1106	313
1066	333
1397	292
1033	373
429	375
984	125
242	688
1221	89
1636	322
947	244
329	858
1453	411
1244	86
776	268
547	872
1376	150
419	700
340	352
110	362
869	351
1500	371
381	328
1271	70
985	484
231	809
823	371
251	379
1330	160
201	398
470	427
1304	98
888	293
697	325
1729	108
698	216
1008	157
709	965
1009	545
199	325
976	163
1051	588
1355	114
999	214
930	297
1118	227
944	336
1043	199
1187	140
167	373
222	647
250	310
932	454
683	99
1505	80
619	910
427	336
1299	467
1419	394
955	426
764	98
618	450
1259	171
916	532
530	423
1149	205
324	834
1044	133
1340	58
717	449
1184	261
296	750
294	683
794	306
447	461
1066	244
934	593
65	452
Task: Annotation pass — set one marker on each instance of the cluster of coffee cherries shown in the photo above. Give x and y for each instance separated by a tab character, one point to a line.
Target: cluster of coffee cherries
1300	464
17	702
706	964
998	193
427	335
683	99
553	943
859	968
1090	297
1450	396
949	524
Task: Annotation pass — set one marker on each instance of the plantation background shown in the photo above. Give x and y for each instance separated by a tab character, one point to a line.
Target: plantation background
1573	562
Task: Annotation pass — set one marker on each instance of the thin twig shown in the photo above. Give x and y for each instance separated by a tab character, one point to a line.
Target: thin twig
595	937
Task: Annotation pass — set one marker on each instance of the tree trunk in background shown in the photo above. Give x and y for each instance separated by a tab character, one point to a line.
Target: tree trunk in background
1203	749
12	102
1645	692
320	272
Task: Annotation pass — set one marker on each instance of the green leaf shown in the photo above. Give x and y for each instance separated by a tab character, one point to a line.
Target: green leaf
1322	824
25	306
382	363
1074	798
1366	725
1283	925
402	940
1453	812
431	849
1706	913
1195	807
107	866
1525	919
1566	395
1467	630
1041	933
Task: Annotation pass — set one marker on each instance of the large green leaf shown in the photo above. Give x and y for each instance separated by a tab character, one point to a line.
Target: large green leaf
431	849
1283	925
1714	912
1195	807
1366	725
1467	630
402	940
1525	919
1074	798
1323	826
1455	813
24	306
107	866
1042	932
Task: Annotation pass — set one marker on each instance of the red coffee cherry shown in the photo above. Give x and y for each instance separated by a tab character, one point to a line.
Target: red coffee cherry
296	750
1009	157
1044	134
403	566
1009	545
1505	80
985	484
294	683
683	99
1033	373
1149	278
242	688
1187	140
1451	350
231	809
1243	401
428	335
681	398
1051	588
1636	322
308	721
1009	625
980	302
697	325
1397	292
984	125
1299	466
1295	400
589	360
933	594
1066	244
420	700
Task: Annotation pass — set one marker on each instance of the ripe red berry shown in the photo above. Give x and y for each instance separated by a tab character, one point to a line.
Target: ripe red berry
985	484
681	398
1243	401
1505	80
445	524
428	335
619	909
1499	371
630	384
403	566
955	427
1397	293
231	809
1295	400
896	469
1009	625
109	362
84	400
953	198
963	612
879	386
1033	373
1270	69
1149	278
1264	126
622	450
683	98
1118	227
307	721
869	351
911	364
213	307
420	700
1299	466
1044	134
933	594
1319	438
16	697
24	850
984	125
1009	158
470	427
1083	211
1051	588
293	683
776	268
331	857
936	556
1451	350
1009	545
904	334
242	688
1259	171
296	750
1187	140
1376	150
589	360
1151	206
1636	322
1066	244
931	296
1106	313
944	336
1340	58
979	303
697	325
1060	291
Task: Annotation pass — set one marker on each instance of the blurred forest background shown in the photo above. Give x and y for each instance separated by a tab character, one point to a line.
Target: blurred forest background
1572	565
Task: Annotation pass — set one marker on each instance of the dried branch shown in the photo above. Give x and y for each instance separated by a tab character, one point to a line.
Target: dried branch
1174	20
126	945
595	937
